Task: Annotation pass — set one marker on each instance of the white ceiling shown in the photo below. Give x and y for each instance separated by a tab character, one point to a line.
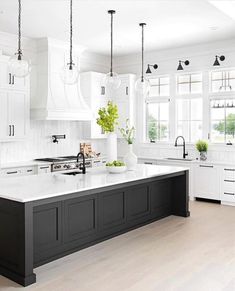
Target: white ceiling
169	23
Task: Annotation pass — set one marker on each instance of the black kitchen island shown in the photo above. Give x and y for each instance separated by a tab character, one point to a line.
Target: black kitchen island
67	213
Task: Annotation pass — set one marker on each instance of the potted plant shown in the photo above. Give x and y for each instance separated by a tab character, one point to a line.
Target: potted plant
202	147
107	120
128	134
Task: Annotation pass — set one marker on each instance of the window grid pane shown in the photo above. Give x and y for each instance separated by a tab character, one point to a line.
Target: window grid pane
222	120
189	84
157	121
189	118
223	81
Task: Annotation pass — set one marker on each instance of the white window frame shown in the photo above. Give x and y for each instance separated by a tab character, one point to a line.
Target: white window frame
157	99
189	96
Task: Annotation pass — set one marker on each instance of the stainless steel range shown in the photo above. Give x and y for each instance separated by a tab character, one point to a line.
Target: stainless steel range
65	163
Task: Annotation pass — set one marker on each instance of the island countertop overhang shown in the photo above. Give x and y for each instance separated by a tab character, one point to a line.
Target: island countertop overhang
39	187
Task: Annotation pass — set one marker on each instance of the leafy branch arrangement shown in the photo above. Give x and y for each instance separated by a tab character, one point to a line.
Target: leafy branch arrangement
202	146
128	132
108	117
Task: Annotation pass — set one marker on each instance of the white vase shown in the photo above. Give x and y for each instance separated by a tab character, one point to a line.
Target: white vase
130	159
111	147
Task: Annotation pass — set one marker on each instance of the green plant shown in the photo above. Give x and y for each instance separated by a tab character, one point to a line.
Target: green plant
128	132
202	146
227	127
108	117
115	164
155	132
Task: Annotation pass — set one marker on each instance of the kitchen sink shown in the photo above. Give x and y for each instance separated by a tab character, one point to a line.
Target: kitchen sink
179	159
74	173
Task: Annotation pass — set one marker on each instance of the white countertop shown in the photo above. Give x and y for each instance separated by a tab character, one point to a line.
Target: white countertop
36	187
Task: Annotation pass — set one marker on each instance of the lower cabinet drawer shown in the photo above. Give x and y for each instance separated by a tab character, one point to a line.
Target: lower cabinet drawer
228	196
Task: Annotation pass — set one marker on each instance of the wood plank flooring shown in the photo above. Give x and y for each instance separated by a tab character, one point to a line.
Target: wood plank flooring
173	254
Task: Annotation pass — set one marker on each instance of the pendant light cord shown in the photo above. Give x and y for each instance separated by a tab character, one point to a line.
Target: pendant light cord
111	39
19	32
142	67
71	35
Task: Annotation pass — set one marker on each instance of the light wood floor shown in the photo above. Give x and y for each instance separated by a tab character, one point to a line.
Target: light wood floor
193	254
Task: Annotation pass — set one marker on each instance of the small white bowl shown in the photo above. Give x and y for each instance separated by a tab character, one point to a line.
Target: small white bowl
116	170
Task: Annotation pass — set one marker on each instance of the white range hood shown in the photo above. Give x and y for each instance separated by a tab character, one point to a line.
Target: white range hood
52	99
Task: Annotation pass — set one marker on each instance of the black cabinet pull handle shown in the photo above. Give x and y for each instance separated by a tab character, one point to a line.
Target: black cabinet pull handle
204	166
14	172
9	78
227	193
9	130
29	171
127	90
233	181
13	80
148	163
102	90
232	170
13	126
47	167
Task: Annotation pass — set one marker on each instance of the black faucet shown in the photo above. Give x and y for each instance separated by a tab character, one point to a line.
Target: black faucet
183	145
83	165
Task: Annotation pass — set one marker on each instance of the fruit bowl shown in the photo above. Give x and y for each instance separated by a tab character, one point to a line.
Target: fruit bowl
116	170
116	167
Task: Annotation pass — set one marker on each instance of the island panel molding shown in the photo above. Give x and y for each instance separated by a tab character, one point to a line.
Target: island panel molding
37	232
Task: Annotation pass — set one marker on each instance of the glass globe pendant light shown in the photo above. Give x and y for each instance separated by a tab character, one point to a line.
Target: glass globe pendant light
18	64
142	84
112	80
69	73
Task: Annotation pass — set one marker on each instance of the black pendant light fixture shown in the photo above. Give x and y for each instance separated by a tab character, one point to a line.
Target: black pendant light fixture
112	80
217	58
180	67
142	85
148	71
69	73
19	65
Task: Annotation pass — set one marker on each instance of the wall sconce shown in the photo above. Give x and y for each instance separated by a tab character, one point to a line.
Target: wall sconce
216	62
148	71
180	67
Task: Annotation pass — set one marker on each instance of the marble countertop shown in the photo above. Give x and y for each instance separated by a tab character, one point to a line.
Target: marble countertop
36	187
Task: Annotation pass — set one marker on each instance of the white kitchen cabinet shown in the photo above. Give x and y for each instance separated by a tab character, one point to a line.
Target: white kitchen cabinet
95	95
19	171
124	98
14	114
9	81
207	181
228	184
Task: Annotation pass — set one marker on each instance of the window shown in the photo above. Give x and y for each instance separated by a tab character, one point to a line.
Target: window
223	81
189	84
158	121
189	118
189	106
157	109
222	120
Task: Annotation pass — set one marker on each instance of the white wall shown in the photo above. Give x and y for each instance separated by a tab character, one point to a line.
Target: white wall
201	58
39	142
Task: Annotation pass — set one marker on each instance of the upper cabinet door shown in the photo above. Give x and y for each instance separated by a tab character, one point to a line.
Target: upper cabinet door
4	125
9	81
